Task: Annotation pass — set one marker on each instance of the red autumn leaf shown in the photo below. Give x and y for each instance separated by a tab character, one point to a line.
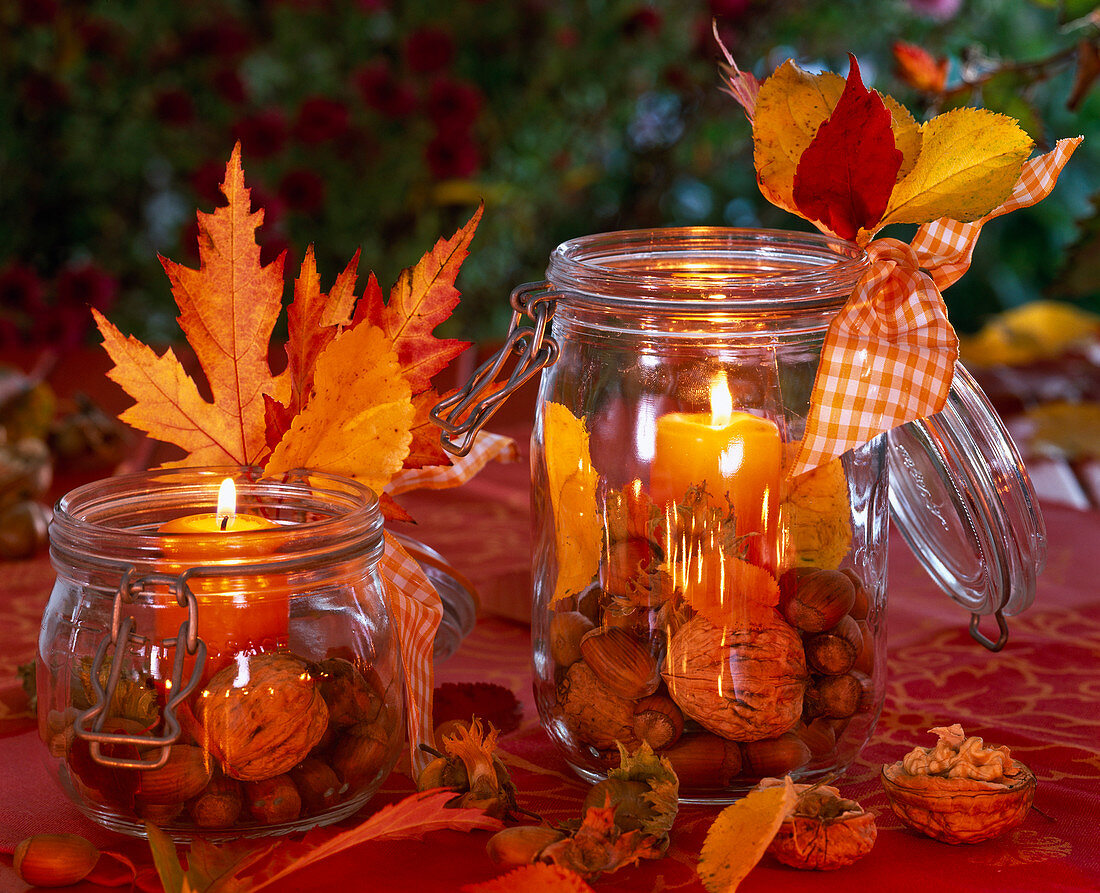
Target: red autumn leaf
845	176
425	448
423	297
536	878
411	818
918	68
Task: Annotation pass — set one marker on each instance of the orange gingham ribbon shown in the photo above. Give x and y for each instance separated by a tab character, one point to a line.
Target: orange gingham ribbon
889	355
416	609
486	448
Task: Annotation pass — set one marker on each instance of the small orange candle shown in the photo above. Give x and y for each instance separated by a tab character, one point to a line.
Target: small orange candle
230	622
733	454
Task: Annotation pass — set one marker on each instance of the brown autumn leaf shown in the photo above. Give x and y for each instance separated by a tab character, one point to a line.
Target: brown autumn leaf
230	285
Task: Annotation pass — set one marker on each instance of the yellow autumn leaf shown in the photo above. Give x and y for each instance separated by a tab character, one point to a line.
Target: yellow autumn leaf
357	422
1071	430
578	533
969	161
1036	331
792	105
740	835
817	518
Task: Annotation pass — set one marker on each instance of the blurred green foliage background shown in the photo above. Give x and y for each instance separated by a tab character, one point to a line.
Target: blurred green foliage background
379	124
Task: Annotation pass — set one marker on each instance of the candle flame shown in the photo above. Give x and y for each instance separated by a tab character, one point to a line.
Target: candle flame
721	401
227	503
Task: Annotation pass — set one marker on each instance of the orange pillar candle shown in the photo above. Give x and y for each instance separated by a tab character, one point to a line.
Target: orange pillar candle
735	455
230	622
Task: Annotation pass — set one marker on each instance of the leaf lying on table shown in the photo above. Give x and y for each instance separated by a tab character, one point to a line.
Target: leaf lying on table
494	703
233	867
741	834
535	878
355	396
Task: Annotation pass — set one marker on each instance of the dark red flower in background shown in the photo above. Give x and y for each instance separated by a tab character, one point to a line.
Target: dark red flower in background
302	190
38	12
229	85
174	107
263	134
20	288
206	181
729	9
86	285
226	38
42	93
383	92
452	156
321	119
429	50
645	20
99	37
453	104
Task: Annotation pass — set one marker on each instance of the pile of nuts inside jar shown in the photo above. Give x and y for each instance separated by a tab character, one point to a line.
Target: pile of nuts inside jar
276	739
729	669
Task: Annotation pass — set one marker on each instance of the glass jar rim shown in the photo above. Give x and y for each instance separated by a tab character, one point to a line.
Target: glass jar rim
708	268
316	514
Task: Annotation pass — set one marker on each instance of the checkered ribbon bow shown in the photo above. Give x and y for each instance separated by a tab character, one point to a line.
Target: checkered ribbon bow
889	355
414	604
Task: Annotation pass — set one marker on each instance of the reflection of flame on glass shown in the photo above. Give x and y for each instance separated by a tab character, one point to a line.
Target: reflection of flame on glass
227	503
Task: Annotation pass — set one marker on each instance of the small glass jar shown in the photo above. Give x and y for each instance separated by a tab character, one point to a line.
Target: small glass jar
219	683
689	593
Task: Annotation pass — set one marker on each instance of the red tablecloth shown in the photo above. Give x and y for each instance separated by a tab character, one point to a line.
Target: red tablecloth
1041	696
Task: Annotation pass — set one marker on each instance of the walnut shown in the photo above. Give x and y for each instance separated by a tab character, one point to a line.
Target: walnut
824	832
744	683
592	711
959	791
262	718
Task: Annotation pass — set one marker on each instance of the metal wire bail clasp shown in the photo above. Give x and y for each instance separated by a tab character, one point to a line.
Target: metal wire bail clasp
88	725
465	412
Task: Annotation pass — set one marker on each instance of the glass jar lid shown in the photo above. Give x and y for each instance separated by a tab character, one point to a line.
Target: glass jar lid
962	500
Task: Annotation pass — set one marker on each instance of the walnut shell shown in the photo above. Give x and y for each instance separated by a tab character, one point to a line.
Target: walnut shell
261	722
958	810
743	684
592	712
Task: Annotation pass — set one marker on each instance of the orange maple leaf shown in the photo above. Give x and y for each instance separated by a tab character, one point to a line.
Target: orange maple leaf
422	298
313	320
228	308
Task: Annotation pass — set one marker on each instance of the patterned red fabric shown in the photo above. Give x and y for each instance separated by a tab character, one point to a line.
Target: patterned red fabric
1039	696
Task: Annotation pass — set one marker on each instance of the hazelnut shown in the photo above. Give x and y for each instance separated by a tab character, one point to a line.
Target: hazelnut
775	756
621	661
658	722
273	800
566	630
815	600
54	860
219	805
704	761
186	773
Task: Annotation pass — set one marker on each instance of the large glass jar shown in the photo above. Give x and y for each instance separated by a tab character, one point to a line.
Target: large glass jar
219	678
689	591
